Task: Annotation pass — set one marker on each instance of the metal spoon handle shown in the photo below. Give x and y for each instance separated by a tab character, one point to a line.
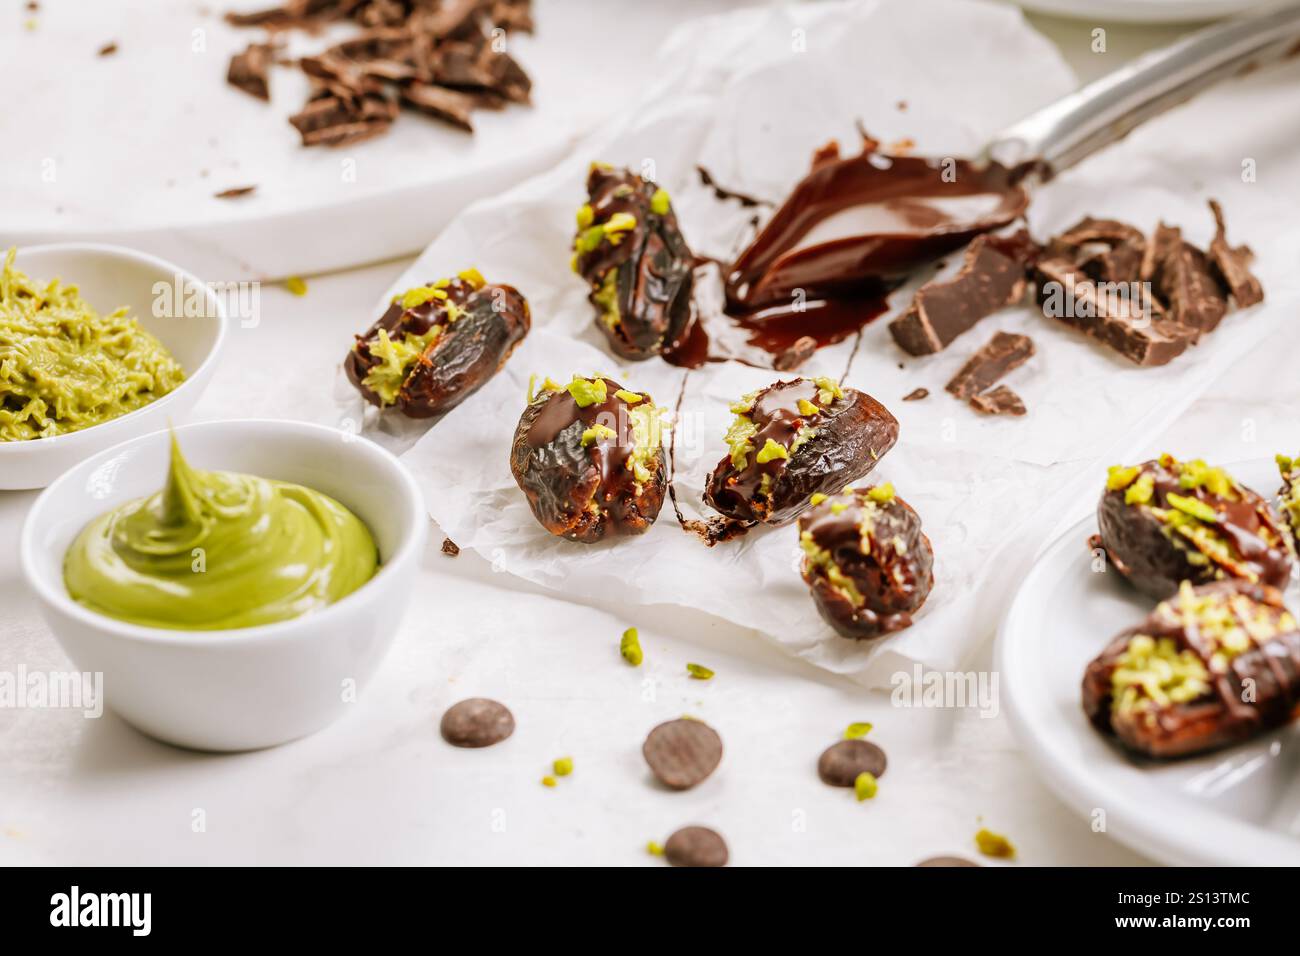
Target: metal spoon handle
1105	110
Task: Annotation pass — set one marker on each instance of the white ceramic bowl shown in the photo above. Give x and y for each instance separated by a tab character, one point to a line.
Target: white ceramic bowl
109	277
251	687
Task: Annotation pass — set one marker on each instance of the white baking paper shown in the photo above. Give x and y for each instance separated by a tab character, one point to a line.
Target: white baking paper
749	96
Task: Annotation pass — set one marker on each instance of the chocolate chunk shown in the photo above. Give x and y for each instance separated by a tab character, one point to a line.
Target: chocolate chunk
682	753
991	277
842	762
1162	240
1108	231
696	846
796	354
1233	265
450	548
1131	329
331	120
946	861
1121	263
998	401
477	722
450	105
1003	353
916	394
235	192
248	70
1191	290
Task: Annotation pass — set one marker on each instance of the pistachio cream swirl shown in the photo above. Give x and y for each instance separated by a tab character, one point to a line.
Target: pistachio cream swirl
216	549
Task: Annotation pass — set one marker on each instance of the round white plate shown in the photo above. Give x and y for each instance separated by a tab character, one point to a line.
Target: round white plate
1141	11
1239	806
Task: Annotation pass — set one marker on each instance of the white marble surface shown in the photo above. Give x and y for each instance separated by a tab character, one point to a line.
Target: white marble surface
381	786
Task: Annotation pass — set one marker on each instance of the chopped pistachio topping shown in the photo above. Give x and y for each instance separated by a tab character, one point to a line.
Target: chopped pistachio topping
659	202
1118	477
420	294
296	284
829	390
548	385
740	440
605	298
630	647
839	507
452	311
994	845
595	433
588	240
819	558
473	277
857	730
1285	464
587	391
597	165
618	224
586	215
816	498
548	781
647	438
630	397
745	405
395	361
807	408
1141	491
771	450
1197	474
699	672
1154	673
654	849
1193	506
563	766
865	786
881	494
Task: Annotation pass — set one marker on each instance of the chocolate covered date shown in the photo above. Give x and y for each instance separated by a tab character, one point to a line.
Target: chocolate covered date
630	251
1166	521
1288	498
589	457
1213	665
795	439
438	344
866	559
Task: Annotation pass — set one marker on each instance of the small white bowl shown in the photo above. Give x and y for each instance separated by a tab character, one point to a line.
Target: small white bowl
109	277
251	687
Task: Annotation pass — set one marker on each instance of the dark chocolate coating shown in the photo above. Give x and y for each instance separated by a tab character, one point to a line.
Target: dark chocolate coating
1138	545
1259	689
893	584
653	266
853	434
493	320
562	479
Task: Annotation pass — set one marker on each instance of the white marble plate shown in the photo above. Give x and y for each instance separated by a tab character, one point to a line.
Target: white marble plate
1238	806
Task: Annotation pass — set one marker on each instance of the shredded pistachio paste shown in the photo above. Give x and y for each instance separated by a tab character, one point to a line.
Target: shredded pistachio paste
64	367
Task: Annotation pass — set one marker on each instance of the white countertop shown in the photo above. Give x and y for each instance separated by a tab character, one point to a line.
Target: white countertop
381	786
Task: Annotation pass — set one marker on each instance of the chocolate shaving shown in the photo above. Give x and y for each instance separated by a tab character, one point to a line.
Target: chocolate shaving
721	192
916	394
1003	353
248	70
235	192
108	49
440	59
1190	289
998	401
1233	264
991	278
450	548
796	354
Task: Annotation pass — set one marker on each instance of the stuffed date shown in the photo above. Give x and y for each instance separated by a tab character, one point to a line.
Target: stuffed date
1211	666
1166	521
438	344
589	457
631	253
795	439
866	559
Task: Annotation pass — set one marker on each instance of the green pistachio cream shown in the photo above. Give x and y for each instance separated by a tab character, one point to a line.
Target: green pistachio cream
216	549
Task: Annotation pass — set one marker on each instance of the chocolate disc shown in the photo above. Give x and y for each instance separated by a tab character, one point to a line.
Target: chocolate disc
841	762
946	861
681	753
696	846
477	722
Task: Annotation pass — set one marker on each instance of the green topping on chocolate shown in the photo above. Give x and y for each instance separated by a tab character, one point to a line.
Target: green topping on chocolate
1153	673
595	433
1118	477
829	390
1197	474
659	202
618	224
816	498
586	215
807	408
647	438
630	647
1141	491
418	296
605	298
821	559
1285	465
395	360
630	397
745	405
770	450
740	440
587	391
881	494
1193	506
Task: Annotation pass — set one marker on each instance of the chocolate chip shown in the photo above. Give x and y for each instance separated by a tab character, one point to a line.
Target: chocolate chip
477	722
696	846
682	753
450	548
841	762
946	861
235	192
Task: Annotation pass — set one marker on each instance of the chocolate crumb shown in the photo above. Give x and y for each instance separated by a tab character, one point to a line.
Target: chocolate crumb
450	548
108	49
696	846
477	722
796	354
248	70
235	192
998	401
916	394
1003	353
